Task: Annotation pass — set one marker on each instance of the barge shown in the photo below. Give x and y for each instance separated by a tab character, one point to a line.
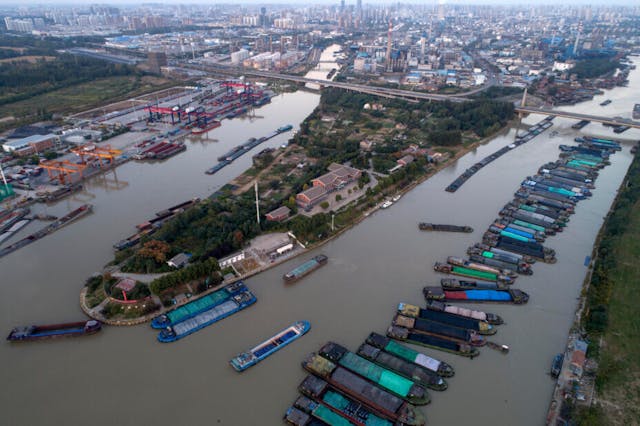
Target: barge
417	374
349	410
390	346
189	326
514	296
238	151
580	124
480	326
385	403
405	335
198	130
270	346
489	317
445	331
455	284
305	269
296	417
49	229
195	307
424	226
385	379
54	331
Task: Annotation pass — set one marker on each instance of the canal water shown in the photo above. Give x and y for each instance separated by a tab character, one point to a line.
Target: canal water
124	376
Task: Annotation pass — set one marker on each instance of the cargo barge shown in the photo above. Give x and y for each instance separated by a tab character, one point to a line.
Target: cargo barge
49	229
405	335
532	132
350	410
305	269
424	226
296	417
10	218
409	370
189	326
536	251
480	326
385	379
320	412
605	102
385	403
444	331
238	151
198	130
514	296
195	307
580	124
54	331
390	346
489	317
267	348
515	257
636	112
455	284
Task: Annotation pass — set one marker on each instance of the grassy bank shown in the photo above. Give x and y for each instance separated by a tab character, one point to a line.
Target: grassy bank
611	318
79	97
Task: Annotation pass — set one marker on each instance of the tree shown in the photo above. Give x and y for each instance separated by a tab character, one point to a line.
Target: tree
324	205
338	197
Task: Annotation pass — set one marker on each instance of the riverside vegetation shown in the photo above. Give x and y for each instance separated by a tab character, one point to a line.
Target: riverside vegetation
611	315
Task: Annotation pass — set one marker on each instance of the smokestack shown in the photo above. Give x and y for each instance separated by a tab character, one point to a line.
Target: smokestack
388	57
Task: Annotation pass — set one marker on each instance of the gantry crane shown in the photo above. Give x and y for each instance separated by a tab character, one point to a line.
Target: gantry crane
102	152
63	168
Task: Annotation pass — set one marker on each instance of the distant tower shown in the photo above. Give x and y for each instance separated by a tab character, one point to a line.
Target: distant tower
440	10
341	6
270	43
575	46
359	9
388	57
423	44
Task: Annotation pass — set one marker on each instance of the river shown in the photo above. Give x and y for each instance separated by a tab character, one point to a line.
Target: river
124	376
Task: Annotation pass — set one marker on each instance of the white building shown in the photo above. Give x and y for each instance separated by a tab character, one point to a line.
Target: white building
239	56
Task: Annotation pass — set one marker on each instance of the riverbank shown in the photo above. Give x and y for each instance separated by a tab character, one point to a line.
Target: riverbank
395	141
608	318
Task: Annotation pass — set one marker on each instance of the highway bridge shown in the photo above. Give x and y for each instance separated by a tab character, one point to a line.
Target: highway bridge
413	96
577	116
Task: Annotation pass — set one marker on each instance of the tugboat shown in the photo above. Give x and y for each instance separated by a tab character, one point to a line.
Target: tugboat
556	365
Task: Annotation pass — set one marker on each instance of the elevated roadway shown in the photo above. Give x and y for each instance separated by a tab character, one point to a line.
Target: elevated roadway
578	116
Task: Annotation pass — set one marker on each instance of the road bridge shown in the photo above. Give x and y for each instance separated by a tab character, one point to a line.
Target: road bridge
578	116
414	96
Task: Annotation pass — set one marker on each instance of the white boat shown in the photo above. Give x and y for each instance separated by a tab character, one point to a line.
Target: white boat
386	204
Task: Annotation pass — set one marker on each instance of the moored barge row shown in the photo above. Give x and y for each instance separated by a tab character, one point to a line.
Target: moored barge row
389	405
392	382
73	215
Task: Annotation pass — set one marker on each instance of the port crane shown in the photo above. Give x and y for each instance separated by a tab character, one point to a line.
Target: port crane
63	168
104	152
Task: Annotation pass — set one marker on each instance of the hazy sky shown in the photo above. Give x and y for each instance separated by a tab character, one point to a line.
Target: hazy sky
306	2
